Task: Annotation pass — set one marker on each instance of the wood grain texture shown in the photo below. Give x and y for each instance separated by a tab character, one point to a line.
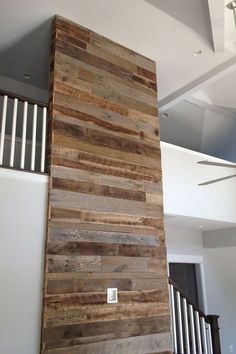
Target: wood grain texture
105	216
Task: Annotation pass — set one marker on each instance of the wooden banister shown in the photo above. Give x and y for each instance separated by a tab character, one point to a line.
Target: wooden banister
212	320
23	98
196	308
35	140
215	333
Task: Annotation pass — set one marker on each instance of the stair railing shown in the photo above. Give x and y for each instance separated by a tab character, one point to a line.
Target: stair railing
193	332
23	124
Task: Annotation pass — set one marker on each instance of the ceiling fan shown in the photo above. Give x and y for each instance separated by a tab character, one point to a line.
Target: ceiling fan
218	164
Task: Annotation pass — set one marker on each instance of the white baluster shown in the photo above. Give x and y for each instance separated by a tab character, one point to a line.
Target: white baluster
172	297
199	339
43	146
13	132
22	163
209	338
185	311
204	339
180	326
192	327
33	146
3	128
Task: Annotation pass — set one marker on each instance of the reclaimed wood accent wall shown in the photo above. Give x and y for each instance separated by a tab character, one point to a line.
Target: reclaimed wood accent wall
105	221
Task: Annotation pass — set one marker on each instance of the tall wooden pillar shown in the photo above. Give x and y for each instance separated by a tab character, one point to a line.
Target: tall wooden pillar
105	220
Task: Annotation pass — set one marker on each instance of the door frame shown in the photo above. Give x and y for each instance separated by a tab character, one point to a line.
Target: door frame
200	274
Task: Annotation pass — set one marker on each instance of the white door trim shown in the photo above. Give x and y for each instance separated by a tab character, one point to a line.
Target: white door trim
198	260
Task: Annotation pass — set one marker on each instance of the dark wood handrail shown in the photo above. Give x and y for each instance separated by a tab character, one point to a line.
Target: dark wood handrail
195	307
23	98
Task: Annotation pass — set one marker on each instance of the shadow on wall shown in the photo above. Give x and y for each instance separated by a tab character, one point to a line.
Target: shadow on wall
192	13
29	55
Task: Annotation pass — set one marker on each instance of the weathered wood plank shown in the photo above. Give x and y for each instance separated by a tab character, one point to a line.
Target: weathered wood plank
84	73
71	143
112	91
89	73
91	236
108	120
102	53
82	55
92	332
72	30
65	286
153	343
111	121
101	138
157	233
108	176
96	313
105	275
109	249
78	161
107	218
95	159
98	167
74	39
89	124
97	189
76	201
124	53
67	302
118	264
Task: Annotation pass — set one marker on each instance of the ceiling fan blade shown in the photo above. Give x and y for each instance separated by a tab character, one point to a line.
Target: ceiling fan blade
216	180
219	164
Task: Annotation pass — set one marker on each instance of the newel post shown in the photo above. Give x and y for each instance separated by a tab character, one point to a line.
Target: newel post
215	333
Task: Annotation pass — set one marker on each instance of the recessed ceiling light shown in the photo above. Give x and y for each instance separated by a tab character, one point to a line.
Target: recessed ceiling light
197	52
165	115
27	76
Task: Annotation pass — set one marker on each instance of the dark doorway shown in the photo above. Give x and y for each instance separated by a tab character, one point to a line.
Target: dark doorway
184	275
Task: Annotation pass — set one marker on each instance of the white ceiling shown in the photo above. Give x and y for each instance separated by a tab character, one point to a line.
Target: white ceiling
221	92
166	31
189	223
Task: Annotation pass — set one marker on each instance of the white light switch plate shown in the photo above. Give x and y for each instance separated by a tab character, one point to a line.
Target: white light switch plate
112	295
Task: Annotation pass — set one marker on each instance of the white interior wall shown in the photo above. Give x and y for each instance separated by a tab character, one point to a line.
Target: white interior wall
217	249
183	196
220	265
220	273
22	218
184	241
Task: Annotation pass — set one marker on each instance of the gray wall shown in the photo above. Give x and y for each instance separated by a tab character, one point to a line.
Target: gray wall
204	129
220	268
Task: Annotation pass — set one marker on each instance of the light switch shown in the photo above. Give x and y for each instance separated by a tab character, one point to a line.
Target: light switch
112	295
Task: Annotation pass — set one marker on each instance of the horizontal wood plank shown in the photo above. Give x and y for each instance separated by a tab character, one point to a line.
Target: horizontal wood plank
76	201
68	286
92	332
118	264
154	343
